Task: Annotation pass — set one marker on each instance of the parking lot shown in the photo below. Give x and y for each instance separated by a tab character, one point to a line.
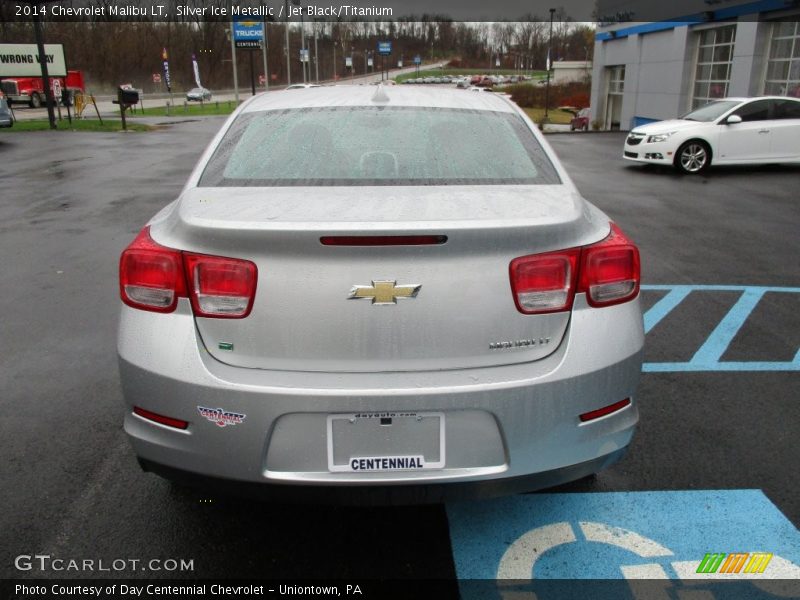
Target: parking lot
714	458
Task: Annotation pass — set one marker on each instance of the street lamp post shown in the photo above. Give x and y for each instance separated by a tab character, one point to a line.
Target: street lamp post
549	48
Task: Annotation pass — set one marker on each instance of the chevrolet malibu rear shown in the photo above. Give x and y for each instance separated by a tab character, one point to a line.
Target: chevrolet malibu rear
384	295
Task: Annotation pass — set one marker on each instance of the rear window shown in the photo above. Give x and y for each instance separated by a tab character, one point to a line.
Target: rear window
378	146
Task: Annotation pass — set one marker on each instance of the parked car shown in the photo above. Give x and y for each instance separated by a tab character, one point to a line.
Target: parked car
581	120
724	132
463	84
198	94
286	329
6	118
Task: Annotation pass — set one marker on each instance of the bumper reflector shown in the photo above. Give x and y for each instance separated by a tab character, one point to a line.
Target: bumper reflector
606	410
168	421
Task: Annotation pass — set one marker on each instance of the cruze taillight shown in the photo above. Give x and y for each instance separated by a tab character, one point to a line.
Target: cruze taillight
153	277
608	272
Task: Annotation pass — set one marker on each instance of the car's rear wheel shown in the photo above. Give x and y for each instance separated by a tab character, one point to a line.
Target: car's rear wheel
693	157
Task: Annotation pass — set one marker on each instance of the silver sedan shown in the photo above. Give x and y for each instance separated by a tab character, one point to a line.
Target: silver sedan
384	294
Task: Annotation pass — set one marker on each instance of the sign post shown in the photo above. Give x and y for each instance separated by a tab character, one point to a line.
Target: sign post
248	34
384	49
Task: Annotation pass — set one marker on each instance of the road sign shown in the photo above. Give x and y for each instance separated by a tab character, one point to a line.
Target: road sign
156	77
56	89
348	62
384	48
304	55
417	60
22	60
369	61
399	64
248	33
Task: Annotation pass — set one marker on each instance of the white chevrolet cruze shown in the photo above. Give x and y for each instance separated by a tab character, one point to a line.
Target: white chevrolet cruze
726	132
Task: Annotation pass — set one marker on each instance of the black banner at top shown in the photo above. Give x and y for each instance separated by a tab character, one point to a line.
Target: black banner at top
605	12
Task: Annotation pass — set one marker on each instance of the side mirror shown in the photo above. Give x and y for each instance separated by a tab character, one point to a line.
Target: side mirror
733	119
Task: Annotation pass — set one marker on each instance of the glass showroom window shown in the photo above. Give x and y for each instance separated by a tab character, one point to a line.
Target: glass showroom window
783	68
714	57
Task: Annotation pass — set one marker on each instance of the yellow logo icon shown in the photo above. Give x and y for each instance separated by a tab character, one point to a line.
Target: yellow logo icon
383	292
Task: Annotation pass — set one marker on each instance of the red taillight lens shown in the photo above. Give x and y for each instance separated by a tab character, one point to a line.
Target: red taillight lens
543	283
610	270
155	417
606	410
151	276
221	287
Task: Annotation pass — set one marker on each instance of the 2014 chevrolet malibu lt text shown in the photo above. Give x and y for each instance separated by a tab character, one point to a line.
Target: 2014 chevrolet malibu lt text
396	294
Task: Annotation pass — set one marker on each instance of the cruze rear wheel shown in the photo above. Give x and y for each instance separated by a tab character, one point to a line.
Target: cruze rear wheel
693	157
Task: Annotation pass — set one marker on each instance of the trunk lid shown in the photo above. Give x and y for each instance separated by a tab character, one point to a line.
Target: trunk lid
303	318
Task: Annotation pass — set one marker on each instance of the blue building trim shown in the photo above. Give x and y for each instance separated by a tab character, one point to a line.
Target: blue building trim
732	12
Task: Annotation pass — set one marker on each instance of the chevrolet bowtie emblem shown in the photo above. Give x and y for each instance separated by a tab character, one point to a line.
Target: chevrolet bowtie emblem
383	292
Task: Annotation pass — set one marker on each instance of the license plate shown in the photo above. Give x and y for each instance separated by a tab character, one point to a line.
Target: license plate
386	441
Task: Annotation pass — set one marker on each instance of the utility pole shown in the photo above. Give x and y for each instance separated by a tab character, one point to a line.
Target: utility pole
549	48
48	92
233	58
316	55
288	49
304	62
264	54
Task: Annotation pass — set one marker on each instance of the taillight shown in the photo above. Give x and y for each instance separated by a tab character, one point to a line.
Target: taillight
543	283
220	287
608	272
150	275
153	277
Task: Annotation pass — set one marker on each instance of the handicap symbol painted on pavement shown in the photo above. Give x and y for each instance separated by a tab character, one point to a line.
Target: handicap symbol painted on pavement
707	357
691	539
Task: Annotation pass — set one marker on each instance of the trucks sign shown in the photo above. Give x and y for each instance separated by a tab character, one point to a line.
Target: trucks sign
248	33
22	60
384	48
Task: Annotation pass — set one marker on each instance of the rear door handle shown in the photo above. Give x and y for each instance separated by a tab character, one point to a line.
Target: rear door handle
763	131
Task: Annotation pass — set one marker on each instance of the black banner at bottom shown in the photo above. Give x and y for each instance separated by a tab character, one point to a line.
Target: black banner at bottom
407	589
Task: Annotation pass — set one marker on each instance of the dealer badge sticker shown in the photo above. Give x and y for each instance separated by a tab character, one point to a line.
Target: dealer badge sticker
220	416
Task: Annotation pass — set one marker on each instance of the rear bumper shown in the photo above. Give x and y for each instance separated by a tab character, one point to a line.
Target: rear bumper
384	495
502	424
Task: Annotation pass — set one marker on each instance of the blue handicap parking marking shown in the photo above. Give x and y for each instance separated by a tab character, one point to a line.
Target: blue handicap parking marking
707	357
621	535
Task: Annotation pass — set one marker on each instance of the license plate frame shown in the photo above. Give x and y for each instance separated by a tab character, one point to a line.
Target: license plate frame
374	419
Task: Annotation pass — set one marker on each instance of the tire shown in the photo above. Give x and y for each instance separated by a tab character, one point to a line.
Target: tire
36	100
586	127
571	127
693	157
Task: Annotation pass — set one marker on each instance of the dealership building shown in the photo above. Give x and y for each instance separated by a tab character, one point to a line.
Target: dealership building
702	50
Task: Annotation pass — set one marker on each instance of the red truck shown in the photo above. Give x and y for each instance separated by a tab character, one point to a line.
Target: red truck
29	90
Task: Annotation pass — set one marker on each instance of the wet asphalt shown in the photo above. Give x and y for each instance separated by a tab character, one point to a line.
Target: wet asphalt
71	487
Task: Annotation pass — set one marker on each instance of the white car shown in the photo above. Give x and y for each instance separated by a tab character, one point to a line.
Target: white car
729	131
